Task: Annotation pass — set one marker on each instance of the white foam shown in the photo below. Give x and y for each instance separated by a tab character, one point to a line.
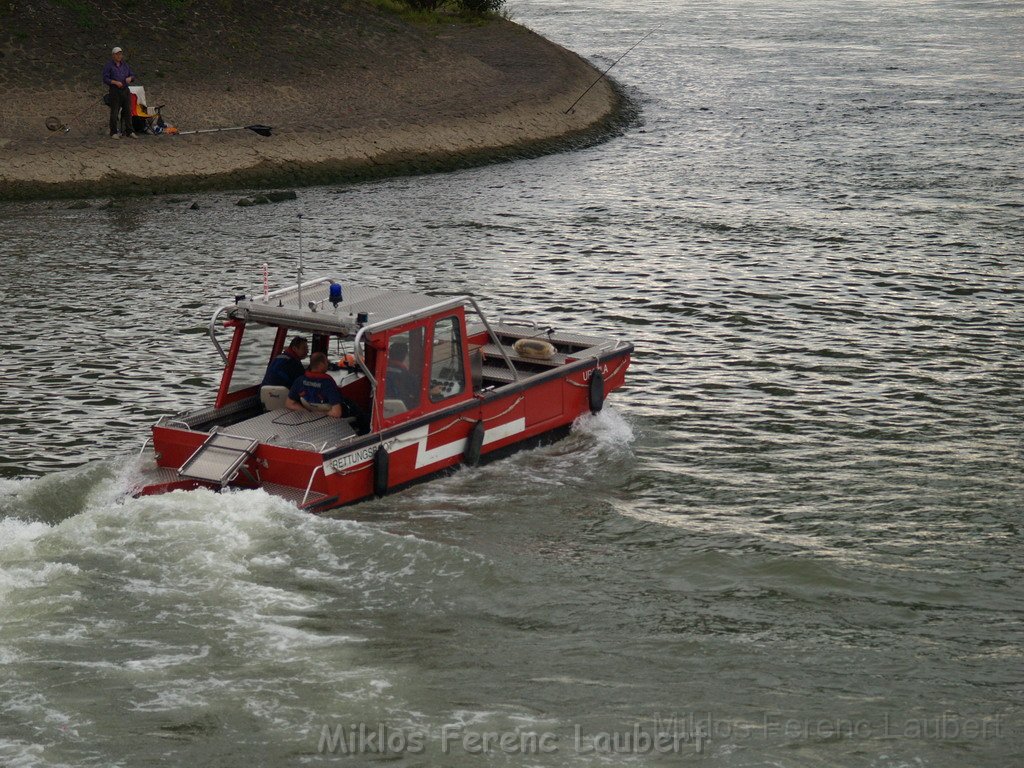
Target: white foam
149	587
166	660
246	568
34	706
269	561
75	634
283	639
266	597
567	680
126	480
21	754
608	427
17	538
14	486
183	697
34	575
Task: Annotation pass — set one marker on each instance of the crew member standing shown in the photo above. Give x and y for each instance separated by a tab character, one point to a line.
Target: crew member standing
118	76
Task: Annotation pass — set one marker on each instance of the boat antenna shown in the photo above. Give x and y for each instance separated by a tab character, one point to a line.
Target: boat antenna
570	109
299	286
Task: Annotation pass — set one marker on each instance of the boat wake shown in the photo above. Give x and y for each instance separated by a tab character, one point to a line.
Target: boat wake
597	442
208	607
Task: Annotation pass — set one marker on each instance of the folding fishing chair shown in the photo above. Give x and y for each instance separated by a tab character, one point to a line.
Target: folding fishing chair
142	118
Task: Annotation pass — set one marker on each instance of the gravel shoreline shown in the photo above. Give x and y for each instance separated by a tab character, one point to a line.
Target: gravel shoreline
472	101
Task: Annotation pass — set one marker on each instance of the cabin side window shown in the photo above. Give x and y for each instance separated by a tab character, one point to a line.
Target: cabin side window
447	374
404	377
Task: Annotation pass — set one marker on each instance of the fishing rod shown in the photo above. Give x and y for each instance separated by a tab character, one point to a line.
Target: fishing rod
262	130
53	124
610	68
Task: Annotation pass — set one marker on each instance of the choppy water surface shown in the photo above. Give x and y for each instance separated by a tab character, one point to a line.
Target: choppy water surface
797	531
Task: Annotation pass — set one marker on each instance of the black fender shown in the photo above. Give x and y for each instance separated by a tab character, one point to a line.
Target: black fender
596	391
381	464
474	444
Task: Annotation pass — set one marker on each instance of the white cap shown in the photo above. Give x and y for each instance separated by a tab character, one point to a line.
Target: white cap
117	49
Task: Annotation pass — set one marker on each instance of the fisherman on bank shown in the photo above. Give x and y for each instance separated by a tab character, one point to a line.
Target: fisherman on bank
118	76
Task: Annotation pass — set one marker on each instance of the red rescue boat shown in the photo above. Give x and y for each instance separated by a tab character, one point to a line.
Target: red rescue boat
471	391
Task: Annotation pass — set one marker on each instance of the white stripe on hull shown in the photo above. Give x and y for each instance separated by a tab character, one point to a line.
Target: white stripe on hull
424	456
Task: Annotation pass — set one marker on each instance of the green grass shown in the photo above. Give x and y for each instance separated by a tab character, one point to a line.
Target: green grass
447	13
398	8
178	7
83	14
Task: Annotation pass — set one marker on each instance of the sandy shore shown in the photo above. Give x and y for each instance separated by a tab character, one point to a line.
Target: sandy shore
473	95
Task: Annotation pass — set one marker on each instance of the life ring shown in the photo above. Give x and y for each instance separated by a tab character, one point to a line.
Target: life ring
535	348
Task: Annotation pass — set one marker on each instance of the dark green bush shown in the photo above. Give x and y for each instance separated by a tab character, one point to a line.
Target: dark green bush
470	7
481	7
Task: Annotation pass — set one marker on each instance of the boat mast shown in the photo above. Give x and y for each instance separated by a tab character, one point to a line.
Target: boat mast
299	276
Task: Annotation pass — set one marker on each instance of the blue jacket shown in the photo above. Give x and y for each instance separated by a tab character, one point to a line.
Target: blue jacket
316	389
283	371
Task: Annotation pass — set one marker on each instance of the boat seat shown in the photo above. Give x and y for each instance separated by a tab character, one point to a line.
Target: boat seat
393	407
273	397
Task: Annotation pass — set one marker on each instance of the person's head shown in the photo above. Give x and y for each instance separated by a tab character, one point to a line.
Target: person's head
299	346
117	54
399	351
318	362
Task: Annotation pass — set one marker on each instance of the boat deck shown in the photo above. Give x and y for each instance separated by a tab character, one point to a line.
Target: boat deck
288	429
570	347
294	429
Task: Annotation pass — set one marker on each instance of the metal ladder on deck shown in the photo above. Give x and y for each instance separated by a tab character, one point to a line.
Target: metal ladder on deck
219	459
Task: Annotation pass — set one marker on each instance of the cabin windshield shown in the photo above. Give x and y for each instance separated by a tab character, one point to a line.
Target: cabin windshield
447	373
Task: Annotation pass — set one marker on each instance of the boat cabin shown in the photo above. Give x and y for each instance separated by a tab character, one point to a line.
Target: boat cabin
396	355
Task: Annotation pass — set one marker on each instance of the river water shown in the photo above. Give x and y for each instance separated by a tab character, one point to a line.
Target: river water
793	540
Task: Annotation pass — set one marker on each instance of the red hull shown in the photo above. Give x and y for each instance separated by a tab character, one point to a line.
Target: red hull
518	415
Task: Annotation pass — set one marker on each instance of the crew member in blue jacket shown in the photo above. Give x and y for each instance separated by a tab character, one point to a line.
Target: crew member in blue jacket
118	76
316	390
286	368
